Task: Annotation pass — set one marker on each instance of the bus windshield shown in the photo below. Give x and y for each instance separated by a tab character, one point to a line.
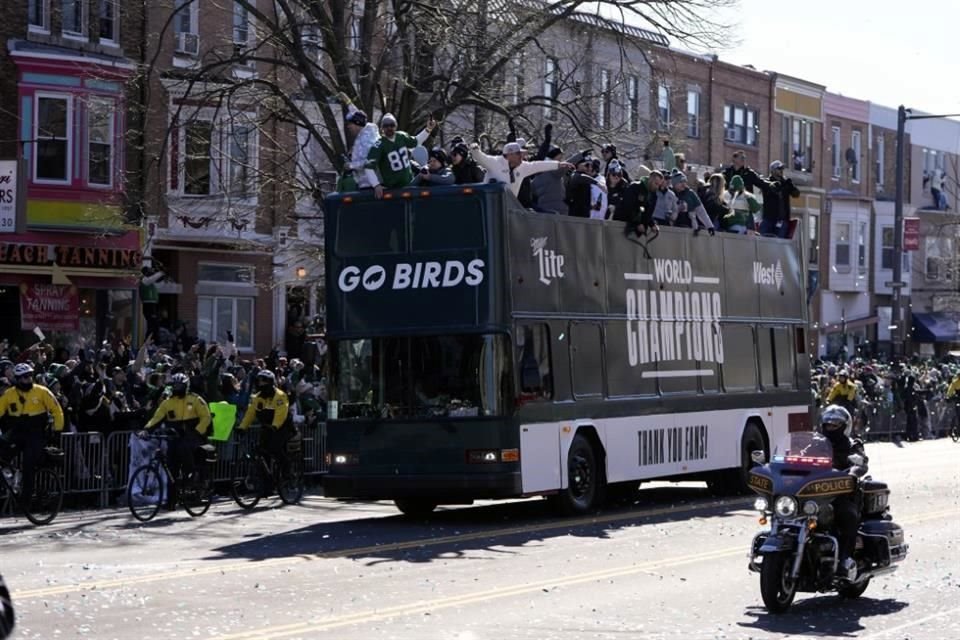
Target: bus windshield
422	377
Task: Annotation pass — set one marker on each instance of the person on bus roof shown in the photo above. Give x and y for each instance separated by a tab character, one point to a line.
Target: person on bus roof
510	168
435	173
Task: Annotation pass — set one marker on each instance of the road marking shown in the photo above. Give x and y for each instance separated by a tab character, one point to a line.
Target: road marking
370	550
906	625
423	606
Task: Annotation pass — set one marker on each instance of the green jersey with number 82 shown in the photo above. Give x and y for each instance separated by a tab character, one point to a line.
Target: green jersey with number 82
391	159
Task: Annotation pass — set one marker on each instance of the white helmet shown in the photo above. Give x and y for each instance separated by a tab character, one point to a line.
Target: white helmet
835	418
23	369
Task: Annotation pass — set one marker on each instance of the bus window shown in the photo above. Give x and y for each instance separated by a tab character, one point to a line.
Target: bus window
739	364
785	357
534	362
444	224
765	352
626	365
586	359
371	228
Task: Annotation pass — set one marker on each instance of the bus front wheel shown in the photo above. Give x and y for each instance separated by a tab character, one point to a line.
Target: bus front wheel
415	508
584	480
733	482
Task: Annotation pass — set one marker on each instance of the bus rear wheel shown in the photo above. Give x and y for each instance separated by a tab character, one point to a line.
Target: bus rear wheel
415	508
584	481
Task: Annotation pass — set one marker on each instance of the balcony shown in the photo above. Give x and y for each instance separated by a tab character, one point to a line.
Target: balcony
213	219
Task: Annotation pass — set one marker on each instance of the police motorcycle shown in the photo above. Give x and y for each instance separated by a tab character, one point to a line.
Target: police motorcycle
6	611
800	552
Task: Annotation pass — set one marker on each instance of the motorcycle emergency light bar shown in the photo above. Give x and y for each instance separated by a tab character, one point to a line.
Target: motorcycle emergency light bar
808	461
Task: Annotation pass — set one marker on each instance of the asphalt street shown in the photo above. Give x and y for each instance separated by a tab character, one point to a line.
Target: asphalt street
673	565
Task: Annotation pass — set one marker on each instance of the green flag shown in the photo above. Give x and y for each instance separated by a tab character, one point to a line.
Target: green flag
224	417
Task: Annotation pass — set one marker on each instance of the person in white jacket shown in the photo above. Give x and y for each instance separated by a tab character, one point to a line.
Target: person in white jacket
365	135
510	168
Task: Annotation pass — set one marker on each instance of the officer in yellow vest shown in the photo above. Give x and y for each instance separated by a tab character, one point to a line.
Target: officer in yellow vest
271	408
188	415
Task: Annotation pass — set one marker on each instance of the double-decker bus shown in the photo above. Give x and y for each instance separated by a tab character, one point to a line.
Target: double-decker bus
478	350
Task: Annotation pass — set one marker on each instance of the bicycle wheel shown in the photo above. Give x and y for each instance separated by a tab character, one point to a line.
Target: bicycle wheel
145	492
290	488
197	499
44	505
248	485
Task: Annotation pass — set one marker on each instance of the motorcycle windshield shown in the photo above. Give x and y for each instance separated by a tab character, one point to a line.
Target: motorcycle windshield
804	448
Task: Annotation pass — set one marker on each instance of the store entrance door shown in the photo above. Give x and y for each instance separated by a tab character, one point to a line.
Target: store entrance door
10	314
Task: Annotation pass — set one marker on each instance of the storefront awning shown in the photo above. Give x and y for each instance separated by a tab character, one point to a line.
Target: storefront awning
935	327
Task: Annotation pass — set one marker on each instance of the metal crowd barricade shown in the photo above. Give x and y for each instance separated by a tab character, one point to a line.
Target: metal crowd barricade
85	458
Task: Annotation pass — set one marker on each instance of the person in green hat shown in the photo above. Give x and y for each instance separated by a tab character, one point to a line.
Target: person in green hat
743	205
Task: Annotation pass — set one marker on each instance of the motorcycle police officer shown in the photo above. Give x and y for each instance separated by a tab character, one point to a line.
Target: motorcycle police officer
848	455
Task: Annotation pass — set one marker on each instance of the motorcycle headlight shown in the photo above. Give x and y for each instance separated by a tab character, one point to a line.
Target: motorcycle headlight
811	508
785	506
761	504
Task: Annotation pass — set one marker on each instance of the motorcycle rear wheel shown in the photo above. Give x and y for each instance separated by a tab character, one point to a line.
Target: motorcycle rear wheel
854	590
776	587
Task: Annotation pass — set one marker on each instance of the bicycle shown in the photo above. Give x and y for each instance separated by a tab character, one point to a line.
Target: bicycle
147	491
255	475
47	499
7	617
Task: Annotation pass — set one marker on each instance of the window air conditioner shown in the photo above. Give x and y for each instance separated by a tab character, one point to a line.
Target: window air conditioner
188	43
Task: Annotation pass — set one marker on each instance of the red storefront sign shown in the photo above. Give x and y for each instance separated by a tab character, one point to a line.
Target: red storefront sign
52	307
911	234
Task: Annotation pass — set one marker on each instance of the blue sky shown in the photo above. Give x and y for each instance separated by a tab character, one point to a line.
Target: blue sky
888	52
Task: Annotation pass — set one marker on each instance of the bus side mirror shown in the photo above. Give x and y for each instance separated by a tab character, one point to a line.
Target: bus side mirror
758	457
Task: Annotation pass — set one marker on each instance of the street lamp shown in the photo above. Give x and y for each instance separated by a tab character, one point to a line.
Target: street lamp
903	114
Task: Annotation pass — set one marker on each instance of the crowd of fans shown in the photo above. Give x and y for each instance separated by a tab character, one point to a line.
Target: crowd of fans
115	387
583	184
925	395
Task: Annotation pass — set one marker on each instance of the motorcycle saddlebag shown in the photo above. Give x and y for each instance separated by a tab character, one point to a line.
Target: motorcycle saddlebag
885	540
876	497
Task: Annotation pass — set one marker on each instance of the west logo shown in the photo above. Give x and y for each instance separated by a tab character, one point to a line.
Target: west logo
549	261
769	275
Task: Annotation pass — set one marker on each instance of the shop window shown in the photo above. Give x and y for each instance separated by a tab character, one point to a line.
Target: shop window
217	315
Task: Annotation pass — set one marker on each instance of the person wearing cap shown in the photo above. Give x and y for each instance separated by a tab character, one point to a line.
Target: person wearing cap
390	155
742	206
665	205
690	211
777	191
598	192
547	188
617	185
364	134
435	173
739	167
578	193
465	169
510	168
609	153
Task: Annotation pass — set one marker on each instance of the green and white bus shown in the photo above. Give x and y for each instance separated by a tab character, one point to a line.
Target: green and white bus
478	350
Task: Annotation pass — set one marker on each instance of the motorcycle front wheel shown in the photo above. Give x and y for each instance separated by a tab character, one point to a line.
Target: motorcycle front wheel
854	590
777	588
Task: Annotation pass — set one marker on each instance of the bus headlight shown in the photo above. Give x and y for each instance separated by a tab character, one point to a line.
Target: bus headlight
761	505
785	506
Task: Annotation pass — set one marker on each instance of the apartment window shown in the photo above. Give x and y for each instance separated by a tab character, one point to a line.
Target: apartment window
939	254
842	244
356	32
519	78
886	248
855	160
241	24
663	105
880	161
633	108
862	247
53	134
108	24
741	125
186	20
801	152
835	152
693	114
225	273
241	161
813	235
550	85
100	116
198	142
216	315
38	15
73	14
603	114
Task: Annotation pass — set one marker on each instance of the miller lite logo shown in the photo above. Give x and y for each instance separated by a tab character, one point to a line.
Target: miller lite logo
549	261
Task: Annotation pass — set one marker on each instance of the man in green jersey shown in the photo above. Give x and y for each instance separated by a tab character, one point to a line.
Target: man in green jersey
390	156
